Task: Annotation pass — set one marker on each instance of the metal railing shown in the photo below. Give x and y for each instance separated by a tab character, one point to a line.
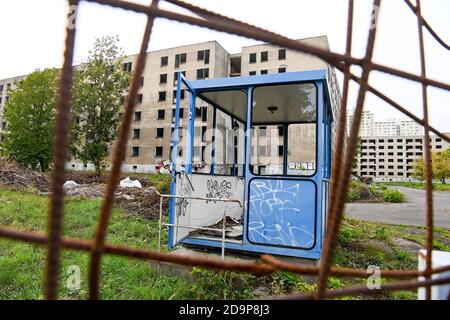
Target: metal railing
341	168
223	231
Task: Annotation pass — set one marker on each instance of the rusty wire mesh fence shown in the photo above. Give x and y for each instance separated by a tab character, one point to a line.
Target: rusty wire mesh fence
341	167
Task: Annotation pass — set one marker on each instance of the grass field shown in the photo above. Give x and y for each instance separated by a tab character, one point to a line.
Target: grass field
22	265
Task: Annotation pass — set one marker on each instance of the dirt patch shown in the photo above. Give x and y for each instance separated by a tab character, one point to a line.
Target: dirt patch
142	202
18	177
135	201
85	190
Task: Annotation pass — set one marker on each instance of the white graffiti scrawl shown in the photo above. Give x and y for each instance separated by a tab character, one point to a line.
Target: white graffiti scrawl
279	214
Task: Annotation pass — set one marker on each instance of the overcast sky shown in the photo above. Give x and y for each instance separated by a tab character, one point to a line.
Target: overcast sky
32	38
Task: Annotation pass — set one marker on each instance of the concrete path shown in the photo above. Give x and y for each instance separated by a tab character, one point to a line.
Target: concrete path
412	212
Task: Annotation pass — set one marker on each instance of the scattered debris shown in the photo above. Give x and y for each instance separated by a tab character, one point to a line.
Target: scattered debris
70	184
128	183
142	202
137	197
19	177
83	190
233	230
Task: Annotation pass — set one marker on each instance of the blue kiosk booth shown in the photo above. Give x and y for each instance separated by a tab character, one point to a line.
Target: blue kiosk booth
263	145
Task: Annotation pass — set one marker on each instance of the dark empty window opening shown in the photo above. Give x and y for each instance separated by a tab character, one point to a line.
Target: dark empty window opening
203	55
264	71
139	98
135	152
127	66
163	78
180	59
182	95
202	73
281	70
136	133
175	77
137	116
158	151
252	58
264	56
159	132
161	114
252	73
162	96
164	61
281	54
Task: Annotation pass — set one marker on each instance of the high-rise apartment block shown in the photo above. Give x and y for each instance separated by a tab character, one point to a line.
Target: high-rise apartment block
153	120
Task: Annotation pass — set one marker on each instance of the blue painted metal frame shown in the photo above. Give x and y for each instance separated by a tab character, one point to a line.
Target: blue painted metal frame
324	119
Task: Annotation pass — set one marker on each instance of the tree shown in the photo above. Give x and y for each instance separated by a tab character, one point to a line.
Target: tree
29	114
440	166
99	85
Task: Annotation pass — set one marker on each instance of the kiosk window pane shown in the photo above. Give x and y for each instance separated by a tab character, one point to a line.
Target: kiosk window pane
293	109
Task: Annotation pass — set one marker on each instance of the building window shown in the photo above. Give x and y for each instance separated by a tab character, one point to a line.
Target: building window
175	77
136	133
181	113
137	116
180	59
135	152
203	55
127	66
161	114
264	71
281	54
264	56
281	70
142	81
139	98
158	151
182	94
281	131
252	73
163	78
252	58
202	73
159	132
161	96
164	61
280	151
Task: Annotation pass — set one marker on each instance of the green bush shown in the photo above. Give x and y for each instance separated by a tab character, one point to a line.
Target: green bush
359	191
393	196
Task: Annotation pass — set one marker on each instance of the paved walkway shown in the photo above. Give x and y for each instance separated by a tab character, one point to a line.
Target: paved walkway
412	212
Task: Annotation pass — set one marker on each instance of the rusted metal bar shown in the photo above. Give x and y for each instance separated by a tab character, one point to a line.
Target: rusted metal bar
427	157
364	290
270	264
341	130
335	214
427	25
60	146
119	152
343	272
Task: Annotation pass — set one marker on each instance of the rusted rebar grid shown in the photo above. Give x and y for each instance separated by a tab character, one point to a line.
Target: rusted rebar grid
341	168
